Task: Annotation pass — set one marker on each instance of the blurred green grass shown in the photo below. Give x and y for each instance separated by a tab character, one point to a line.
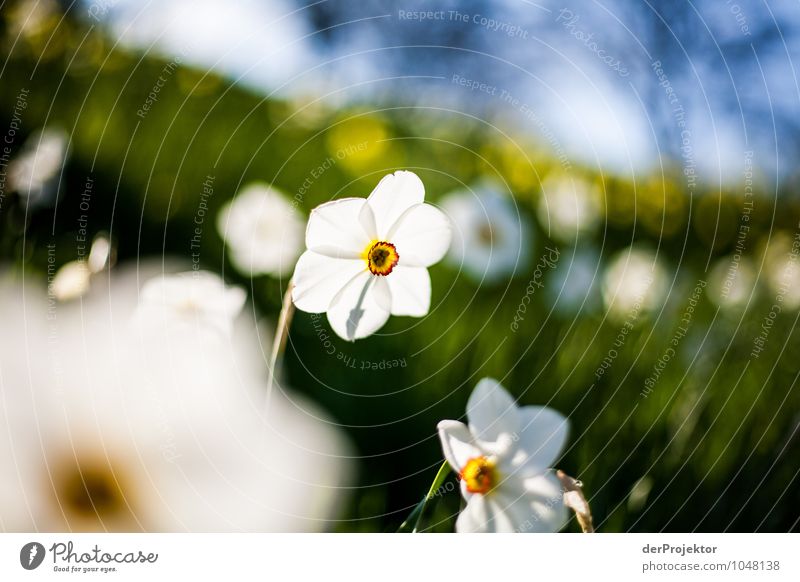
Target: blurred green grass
714	446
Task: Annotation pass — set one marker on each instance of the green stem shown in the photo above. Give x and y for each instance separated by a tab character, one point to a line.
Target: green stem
279	341
419	510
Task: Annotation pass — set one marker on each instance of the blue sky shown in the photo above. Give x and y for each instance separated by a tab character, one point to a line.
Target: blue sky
585	68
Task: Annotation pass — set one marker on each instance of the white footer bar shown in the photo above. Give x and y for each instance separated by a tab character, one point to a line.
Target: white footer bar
389	557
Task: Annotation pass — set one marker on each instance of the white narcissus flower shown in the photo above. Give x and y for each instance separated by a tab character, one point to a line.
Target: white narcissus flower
195	298
369	258
113	425
264	233
492	239
503	459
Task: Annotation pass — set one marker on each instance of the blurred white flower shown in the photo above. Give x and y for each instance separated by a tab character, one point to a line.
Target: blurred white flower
491	239
101	255
635	281
264	233
568	207
113	426
503	460
71	281
731	282
196	299
783	269
28	19
35	172
368	258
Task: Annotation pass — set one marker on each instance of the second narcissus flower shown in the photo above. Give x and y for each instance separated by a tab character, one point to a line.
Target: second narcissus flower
368	258
503	459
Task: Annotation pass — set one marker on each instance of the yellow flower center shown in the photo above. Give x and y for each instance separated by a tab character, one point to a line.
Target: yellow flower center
486	234
381	257
479	475
91	494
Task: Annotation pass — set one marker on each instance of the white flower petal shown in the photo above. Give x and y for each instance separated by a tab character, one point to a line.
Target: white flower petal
366	218
233	301
393	195
411	290
422	235
506	514
335	229
543	432
381	293
359	310
535	505
319	278
458	445
546	499
492	412
475	518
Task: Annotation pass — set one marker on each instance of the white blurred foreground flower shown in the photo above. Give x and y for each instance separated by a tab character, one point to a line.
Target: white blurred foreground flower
491	240
263	232
193	298
113	425
503	460
368	258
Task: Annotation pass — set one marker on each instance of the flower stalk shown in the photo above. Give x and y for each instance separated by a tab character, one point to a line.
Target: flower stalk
281	336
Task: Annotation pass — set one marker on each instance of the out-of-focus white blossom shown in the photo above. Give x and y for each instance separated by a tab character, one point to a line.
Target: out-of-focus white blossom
635	281
491	239
731	282
73	279
568	207
783	269
110	423
262	230
101	255
34	173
